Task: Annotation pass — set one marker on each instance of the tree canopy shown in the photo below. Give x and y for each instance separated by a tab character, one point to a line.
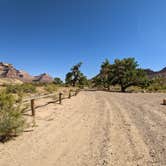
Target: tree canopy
105	73
58	81
126	73
123	72
75	76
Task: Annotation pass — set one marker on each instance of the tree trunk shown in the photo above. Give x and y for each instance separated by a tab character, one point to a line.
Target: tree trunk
123	89
74	84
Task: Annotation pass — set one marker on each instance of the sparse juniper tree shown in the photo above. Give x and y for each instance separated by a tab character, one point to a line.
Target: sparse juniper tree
75	76
76	73
58	81
126	73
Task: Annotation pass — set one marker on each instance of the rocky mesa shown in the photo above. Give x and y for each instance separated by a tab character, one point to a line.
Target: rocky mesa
9	71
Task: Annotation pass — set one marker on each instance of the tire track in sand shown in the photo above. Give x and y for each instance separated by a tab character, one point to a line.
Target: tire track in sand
127	145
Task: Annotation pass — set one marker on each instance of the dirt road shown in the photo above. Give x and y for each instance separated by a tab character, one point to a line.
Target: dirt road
94	129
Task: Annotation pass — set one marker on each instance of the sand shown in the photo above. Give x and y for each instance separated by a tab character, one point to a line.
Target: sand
93	129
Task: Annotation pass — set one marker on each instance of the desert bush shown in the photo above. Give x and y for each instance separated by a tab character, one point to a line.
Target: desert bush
11	118
50	88
38	84
157	84
24	88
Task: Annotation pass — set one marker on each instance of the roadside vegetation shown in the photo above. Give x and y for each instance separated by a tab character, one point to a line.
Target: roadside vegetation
23	88
50	88
157	84
11	117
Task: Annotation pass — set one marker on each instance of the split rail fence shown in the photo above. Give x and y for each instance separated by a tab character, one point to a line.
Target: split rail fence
58	98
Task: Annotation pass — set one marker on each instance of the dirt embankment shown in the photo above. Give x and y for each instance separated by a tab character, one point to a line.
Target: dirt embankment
94	129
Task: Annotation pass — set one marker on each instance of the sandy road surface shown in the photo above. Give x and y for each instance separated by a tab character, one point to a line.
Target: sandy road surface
94	129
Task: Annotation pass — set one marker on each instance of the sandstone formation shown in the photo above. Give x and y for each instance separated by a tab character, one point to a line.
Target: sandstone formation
8	71
43	78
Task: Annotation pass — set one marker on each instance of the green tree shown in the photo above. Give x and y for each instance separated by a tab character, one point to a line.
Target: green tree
83	81
75	76
126	73
103	79
58	81
76	73
105	74
97	82
69	78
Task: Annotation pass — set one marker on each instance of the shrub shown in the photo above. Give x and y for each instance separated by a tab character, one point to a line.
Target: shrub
11	118
24	88
50	88
58	81
157	84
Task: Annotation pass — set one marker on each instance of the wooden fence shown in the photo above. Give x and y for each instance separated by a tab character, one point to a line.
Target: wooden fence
164	101
57	99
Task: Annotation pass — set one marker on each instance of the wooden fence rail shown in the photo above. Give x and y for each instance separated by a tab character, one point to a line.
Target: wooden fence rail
57	98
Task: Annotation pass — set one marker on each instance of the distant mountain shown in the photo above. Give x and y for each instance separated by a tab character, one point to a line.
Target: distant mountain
8	71
43	78
152	74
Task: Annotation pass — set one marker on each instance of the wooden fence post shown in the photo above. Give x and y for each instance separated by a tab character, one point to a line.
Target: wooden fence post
69	94
76	92
33	107
60	98
164	101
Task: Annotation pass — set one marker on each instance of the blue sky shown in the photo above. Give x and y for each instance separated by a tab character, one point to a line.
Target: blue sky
52	35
